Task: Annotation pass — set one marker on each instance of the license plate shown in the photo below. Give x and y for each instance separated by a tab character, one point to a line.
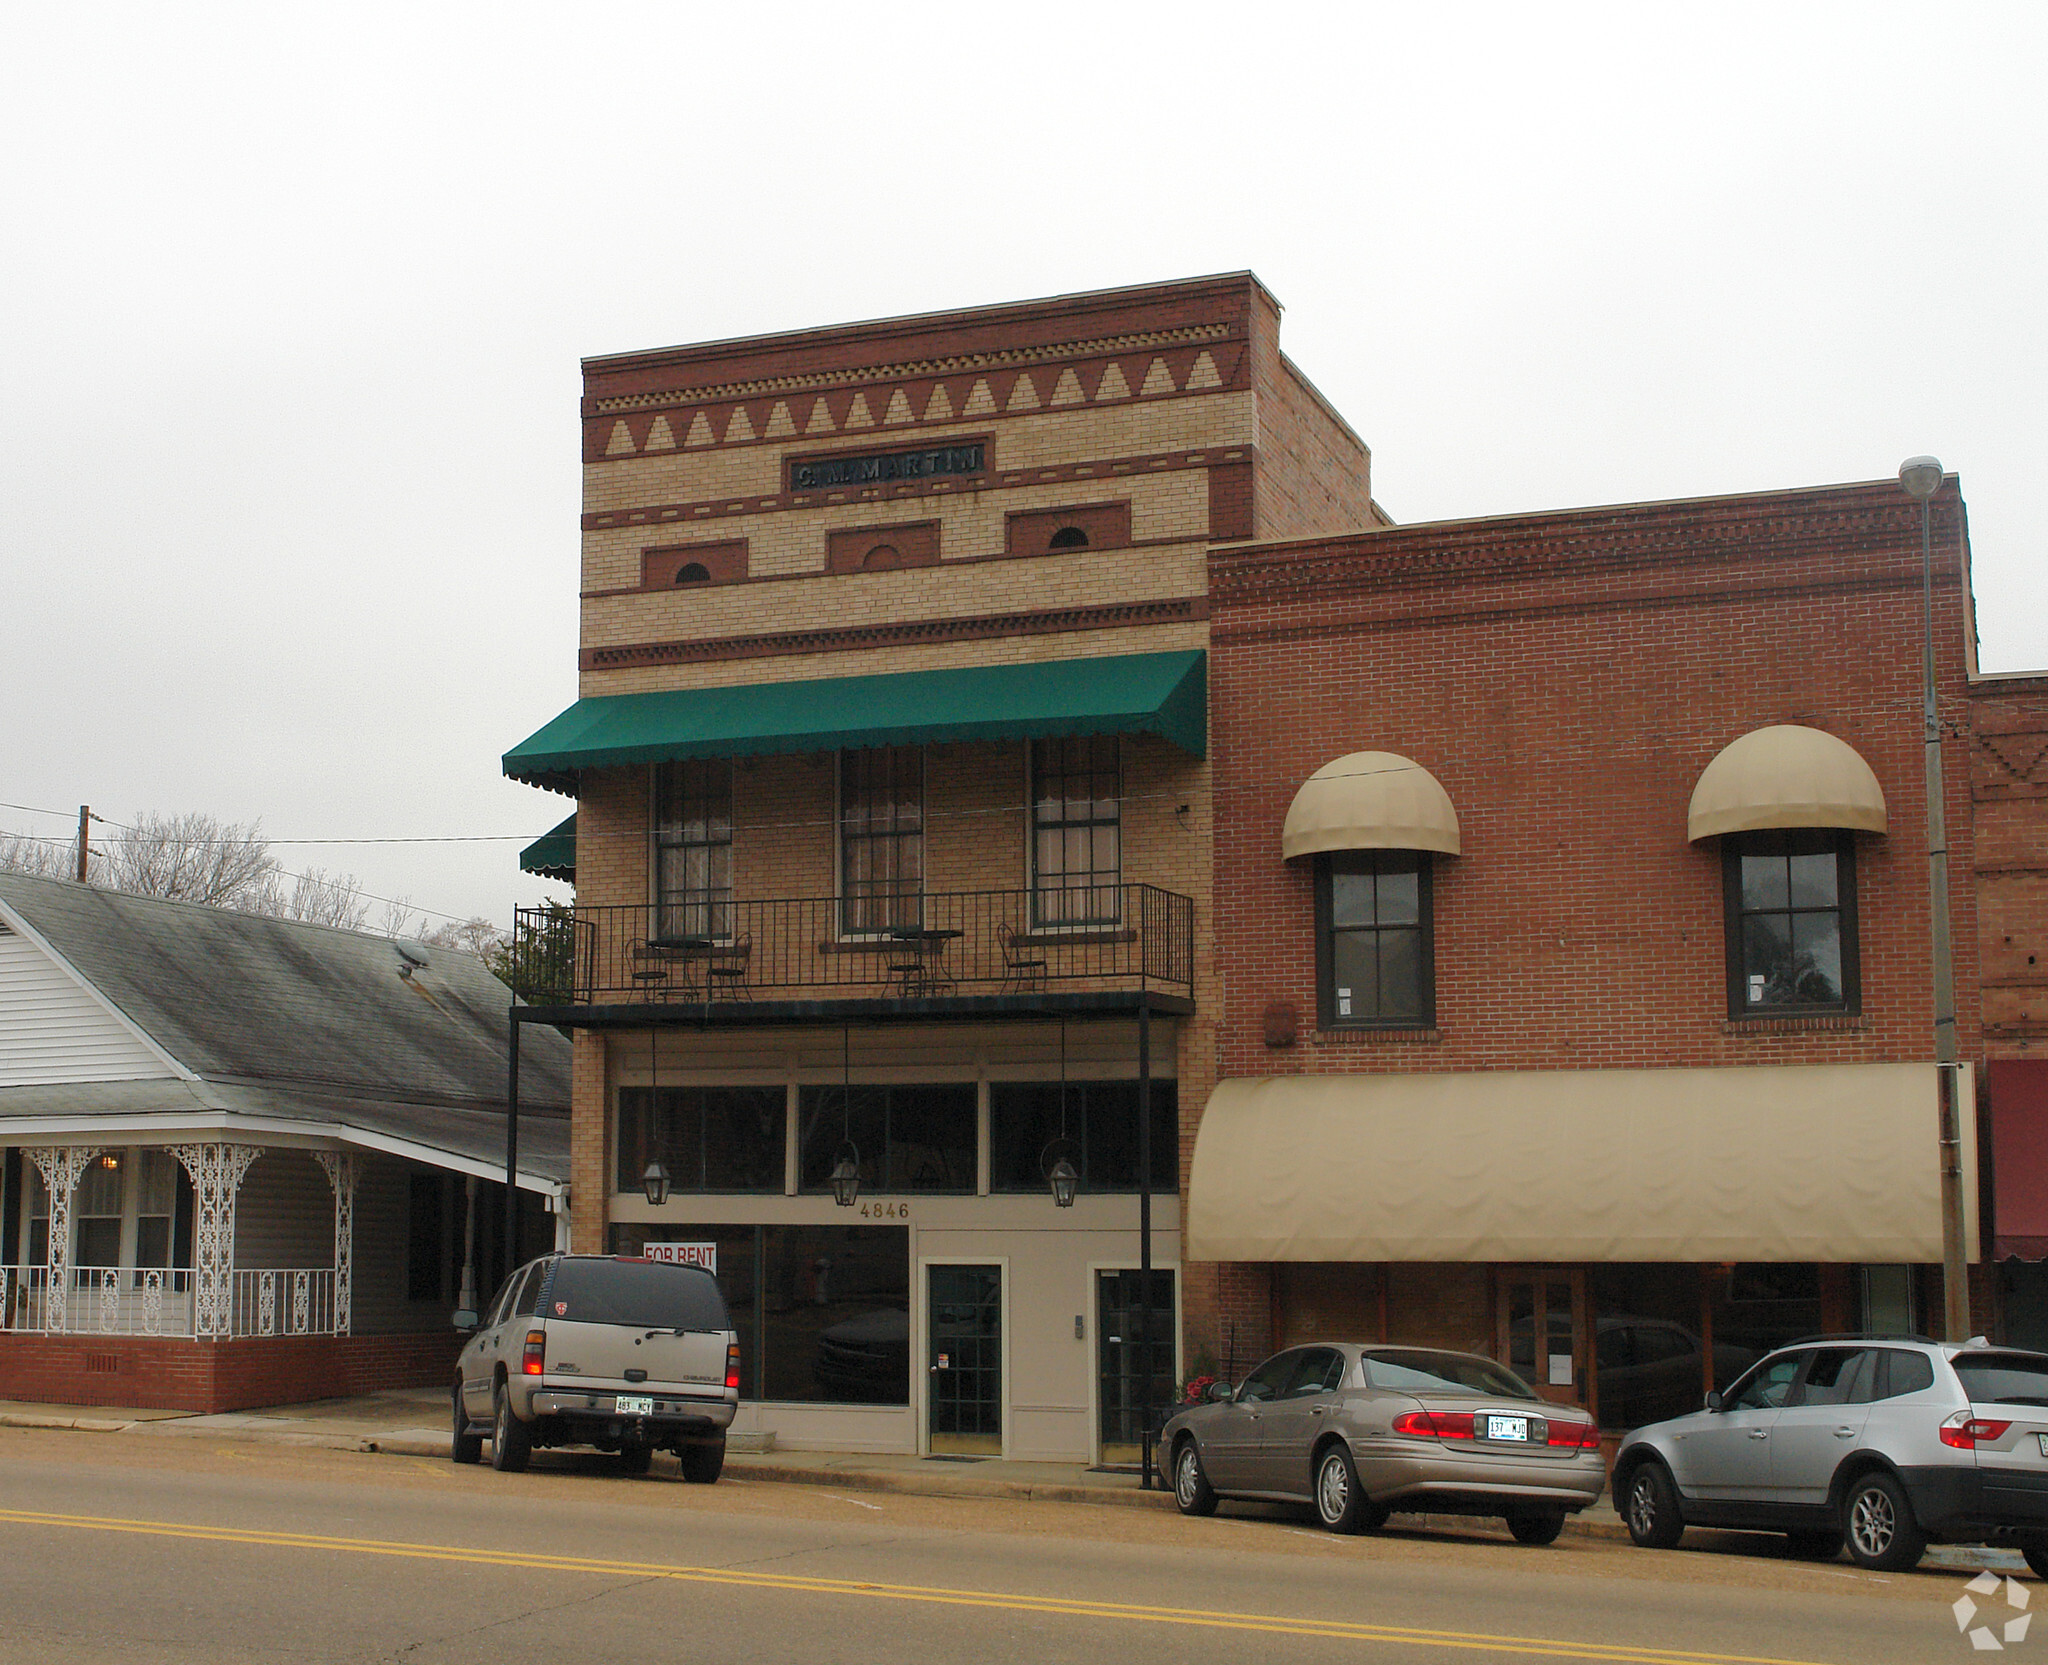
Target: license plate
635	1404
1507	1427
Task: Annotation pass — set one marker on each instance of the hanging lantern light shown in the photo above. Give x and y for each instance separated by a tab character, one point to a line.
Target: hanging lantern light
846	1177
1064	1181
656	1182
846	1170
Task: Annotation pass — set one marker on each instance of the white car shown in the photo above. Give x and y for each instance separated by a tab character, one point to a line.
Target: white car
1889	1443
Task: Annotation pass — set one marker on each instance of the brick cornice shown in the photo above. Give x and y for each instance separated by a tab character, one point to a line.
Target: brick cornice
954	364
1093	469
911	633
1871	520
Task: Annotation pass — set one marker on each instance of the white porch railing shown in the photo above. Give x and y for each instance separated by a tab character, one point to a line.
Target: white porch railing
155	1300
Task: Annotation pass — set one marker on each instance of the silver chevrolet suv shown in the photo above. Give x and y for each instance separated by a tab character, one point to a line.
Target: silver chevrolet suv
629	1356
1891	1443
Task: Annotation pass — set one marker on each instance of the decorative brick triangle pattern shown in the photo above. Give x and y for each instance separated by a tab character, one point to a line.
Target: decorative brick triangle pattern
1158	379
980	402
700	431
621	442
938	408
857	414
1204	373
1024	396
1068	391
821	419
779	423
660	437
1112	385
739	427
898	411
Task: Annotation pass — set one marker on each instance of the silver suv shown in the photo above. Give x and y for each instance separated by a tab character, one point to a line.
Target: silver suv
1891	1443
629	1356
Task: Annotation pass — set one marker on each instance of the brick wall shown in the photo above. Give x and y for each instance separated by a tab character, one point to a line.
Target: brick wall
2008	751
1567	677
206	1377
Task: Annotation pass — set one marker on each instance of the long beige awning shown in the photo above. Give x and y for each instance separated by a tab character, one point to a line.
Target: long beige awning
1370	801
1823	1162
1785	776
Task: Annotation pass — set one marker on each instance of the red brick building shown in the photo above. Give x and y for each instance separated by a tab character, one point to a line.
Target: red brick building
1578	1011
2009	786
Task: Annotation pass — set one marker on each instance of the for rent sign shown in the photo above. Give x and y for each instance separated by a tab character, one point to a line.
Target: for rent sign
685	1254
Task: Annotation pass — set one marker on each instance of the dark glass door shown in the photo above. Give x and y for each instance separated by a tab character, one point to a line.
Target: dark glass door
1132	1380
965	1363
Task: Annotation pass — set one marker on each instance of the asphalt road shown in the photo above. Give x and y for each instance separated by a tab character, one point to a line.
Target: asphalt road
145	1549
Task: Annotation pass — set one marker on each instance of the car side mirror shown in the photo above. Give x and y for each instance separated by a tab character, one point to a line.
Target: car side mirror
1713	1401
464	1319
1220	1391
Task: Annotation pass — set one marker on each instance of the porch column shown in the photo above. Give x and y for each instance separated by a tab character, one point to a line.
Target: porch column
341	1174
61	1167
216	1173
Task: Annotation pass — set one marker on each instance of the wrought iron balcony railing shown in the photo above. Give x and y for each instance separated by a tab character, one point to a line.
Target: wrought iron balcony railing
1108	938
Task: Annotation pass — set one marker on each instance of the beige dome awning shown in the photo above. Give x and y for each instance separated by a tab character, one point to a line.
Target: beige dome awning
1785	776
1370	801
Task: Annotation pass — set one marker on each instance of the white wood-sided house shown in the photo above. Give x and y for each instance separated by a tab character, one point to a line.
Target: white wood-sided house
248	1161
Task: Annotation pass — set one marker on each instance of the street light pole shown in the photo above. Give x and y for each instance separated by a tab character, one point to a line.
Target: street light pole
1921	476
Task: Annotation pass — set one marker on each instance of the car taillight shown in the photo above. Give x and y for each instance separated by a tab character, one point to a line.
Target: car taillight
732	1366
536	1347
1439	1425
1579	1436
1966	1432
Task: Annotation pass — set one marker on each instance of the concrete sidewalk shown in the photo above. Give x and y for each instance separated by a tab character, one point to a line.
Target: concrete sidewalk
413	1422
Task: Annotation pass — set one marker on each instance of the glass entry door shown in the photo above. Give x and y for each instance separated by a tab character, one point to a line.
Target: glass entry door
965	1362
1542	1317
1123	1388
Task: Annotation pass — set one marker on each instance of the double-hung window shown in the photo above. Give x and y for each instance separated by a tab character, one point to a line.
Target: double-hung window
1076	830
693	848
881	838
1791	904
1375	953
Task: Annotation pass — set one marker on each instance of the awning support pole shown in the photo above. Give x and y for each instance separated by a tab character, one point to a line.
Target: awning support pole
512	1146
1145	1241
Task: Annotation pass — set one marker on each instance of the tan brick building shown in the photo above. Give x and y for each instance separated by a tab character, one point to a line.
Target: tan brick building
892	835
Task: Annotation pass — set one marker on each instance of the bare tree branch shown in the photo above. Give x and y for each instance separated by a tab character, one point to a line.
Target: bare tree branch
46	858
476	936
192	858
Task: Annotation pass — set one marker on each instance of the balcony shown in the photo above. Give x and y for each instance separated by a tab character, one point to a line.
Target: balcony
1107	947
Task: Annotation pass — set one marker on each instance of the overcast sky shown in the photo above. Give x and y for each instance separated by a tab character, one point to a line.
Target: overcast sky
292	299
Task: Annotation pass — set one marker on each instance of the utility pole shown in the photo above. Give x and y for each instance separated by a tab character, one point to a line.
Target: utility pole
84	839
1921	476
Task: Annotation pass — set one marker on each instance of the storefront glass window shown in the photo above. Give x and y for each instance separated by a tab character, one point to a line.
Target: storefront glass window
823	1312
910	1138
1101	1119
1756	1307
708	1138
1648	1356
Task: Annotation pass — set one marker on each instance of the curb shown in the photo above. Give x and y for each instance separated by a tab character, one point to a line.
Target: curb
741	1464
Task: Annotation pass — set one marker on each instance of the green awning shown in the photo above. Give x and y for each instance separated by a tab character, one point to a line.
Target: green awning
1134	693
553	854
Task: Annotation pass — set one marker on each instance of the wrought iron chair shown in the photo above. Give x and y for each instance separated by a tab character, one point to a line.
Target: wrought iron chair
1023	972
725	969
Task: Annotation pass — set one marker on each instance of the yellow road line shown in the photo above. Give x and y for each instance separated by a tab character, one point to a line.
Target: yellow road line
1063	1606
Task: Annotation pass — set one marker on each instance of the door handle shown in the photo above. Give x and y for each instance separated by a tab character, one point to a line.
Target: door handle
1845	1433
1759	1433
1317	1410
